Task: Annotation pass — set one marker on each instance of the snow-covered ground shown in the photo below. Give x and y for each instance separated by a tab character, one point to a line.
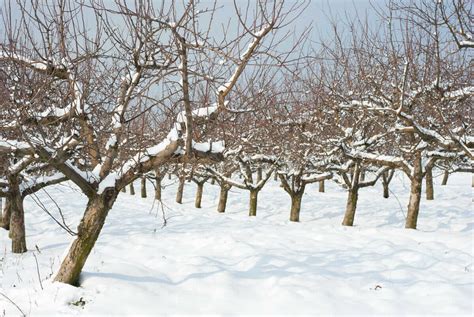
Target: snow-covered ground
203	262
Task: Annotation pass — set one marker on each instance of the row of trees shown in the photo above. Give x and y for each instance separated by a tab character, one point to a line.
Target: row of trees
88	88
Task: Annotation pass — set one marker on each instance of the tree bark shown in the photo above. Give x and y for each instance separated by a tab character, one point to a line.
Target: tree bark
429	184
253	202
88	232
386	179
223	198
259	174
415	195
158	188
296	206
179	193
132	189
143	187
445	178
351	206
17	217
197	202
6	215
321	186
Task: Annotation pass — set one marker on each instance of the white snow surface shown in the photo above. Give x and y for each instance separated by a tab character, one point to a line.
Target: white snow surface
203	262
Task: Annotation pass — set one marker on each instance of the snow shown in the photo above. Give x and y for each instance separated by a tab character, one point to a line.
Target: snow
203	262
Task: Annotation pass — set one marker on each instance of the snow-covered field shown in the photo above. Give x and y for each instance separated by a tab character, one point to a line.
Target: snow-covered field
203	262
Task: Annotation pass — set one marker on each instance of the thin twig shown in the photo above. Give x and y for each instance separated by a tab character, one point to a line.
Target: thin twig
38	271
14	304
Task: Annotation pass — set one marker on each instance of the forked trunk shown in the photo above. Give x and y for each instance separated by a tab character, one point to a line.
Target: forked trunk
179	193
321	186
143	187
352	195
197	202
415	195
386	179
88	232
429	184
223	198
296	206
351	206
445	178
253	202
6	214
132	189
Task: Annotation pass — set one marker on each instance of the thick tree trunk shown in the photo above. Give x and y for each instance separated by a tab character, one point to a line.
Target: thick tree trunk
445	178
6	215
132	189
351	206
415	195
17	224
253	203
17	215
321	186
179	193
143	187
429	184
197	202
295	207
88	232
352	196
223	198
158	188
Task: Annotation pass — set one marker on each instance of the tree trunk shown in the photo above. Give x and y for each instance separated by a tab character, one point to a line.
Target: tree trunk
143	187
259	174
429	184
445	178
158	188
17	216
321	186
415	195
6	215
223	198
362	175
124	190
179	193
352	195
296	206
132	189
253	202
197	202
88	231
169	175
351	206
275	176
213	181
386	179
